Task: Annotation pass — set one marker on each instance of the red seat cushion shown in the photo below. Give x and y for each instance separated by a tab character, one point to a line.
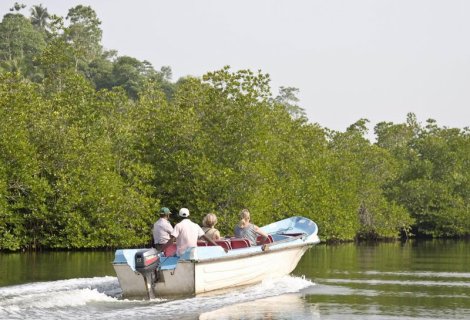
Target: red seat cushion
170	250
238	243
223	243
260	239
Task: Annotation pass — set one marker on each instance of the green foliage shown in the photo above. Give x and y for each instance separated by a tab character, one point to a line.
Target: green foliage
23	189
288	98
83	34
39	17
20	42
64	184
433	183
92	143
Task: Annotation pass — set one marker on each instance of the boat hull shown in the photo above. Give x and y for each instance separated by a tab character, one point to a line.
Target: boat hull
194	277
175	282
246	270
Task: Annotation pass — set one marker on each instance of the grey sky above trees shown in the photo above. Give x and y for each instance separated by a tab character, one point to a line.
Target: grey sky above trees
350	59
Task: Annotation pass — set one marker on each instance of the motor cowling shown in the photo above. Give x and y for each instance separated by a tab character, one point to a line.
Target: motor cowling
146	262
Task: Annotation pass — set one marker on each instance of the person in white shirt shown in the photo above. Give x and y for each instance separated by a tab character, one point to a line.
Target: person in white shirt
186	234
162	229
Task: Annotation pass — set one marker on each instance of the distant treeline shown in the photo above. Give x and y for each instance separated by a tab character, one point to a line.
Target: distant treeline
92	144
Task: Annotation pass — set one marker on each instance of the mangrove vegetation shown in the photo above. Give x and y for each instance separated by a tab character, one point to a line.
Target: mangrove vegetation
93	143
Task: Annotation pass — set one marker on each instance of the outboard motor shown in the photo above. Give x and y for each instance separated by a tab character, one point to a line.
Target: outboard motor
146	262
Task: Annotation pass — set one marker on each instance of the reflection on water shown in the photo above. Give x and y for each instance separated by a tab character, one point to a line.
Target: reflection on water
287	306
17	268
413	280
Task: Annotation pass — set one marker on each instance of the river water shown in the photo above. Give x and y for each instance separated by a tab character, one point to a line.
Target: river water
412	280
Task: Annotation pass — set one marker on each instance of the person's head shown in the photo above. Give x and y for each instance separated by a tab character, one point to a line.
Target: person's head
165	212
183	213
209	220
244	217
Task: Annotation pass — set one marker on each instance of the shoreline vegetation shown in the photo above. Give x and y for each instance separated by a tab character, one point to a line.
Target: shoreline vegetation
93	143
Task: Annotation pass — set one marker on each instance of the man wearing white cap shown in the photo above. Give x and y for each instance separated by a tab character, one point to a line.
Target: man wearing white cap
186	233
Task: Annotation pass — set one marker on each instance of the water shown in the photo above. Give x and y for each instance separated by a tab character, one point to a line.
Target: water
415	280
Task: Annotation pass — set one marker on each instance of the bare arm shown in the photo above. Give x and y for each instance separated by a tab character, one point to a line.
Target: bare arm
166	245
265	241
261	233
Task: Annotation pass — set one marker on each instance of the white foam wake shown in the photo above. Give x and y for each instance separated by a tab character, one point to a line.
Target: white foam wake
91	298
58	286
27	301
199	304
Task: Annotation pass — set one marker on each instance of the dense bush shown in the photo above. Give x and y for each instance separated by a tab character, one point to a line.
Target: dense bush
92	144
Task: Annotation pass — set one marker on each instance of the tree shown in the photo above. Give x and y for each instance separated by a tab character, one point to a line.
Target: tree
288	98
18	7
100	70
22	188
359	171
432	180
57	62
130	74
84	34
39	17
20	42
166	72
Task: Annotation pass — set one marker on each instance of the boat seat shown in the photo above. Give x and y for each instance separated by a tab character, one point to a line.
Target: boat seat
259	239
238	243
201	243
170	250
223	243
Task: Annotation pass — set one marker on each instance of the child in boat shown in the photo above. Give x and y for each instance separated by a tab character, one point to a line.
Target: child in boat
208	224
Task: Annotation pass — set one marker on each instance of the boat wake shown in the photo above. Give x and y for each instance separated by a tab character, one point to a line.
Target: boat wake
37	299
100	298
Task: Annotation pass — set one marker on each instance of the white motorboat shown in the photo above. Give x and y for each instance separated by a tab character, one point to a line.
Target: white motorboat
145	273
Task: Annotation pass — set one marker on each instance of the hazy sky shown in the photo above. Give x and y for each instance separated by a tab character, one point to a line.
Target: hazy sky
351	59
